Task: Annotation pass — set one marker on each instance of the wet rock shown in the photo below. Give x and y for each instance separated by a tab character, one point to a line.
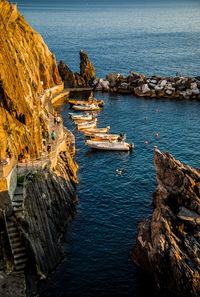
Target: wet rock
168	245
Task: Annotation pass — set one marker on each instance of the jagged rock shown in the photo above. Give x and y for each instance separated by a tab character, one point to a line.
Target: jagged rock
168	245
72	80
87	70
75	80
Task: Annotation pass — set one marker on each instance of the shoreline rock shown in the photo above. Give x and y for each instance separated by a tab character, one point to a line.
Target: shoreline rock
168	245
153	87
76	80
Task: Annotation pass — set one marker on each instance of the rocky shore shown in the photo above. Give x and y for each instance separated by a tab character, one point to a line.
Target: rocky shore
168	246
139	85
155	86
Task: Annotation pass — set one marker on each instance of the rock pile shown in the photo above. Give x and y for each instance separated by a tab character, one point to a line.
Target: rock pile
168	246
155	86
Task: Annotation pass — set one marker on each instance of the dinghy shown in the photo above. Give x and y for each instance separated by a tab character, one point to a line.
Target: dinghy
86	102
83	118
85	122
99	130
102	136
109	145
86	126
86	107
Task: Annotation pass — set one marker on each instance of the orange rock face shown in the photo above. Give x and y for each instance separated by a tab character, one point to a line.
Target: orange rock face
27	67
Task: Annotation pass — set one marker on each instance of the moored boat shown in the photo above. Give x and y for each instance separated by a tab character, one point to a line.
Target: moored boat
86	107
86	126
83	118
109	145
102	136
85	122
99	130
100	103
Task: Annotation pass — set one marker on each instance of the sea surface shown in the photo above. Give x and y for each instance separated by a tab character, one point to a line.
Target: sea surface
149	37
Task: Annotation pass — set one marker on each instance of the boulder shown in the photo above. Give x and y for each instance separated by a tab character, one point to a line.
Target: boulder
105	85
145	88
113	77
168	245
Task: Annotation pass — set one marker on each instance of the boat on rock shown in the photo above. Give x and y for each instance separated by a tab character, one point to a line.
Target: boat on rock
110	145
86	107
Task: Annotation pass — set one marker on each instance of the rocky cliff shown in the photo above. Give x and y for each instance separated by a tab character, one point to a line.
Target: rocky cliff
36	213
168	246
76	80
27	69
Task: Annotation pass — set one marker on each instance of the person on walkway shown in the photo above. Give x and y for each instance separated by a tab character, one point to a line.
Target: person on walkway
55	118
48	149
58	119
53	134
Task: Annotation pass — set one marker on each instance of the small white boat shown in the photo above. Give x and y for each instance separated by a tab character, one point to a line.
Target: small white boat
86	107
109	145
82	117
99	130
86	126
103	136
85	123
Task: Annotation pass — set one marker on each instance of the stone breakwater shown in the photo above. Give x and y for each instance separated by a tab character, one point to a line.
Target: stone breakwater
155	86
168	246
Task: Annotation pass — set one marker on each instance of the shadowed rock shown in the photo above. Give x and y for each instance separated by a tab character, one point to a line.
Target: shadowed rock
76	80
168	246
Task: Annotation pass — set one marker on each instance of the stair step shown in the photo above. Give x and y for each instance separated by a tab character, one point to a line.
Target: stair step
18	208
19	250
19	191
20	267
20	261
17	203
17	198
10	224
20	255
12	229
16	245
14	235
15	239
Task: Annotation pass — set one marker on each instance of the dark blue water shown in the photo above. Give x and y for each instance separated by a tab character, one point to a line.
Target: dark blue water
149	37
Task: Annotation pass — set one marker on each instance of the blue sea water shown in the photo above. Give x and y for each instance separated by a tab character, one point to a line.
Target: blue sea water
150	37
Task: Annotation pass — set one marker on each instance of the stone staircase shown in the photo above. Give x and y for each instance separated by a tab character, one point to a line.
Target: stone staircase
17	201
17	247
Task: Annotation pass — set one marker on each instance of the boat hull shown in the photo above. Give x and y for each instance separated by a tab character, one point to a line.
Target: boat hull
108	146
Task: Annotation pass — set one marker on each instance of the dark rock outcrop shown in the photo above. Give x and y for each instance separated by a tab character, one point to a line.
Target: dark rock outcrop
71	79
76	80
168	246
87	70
